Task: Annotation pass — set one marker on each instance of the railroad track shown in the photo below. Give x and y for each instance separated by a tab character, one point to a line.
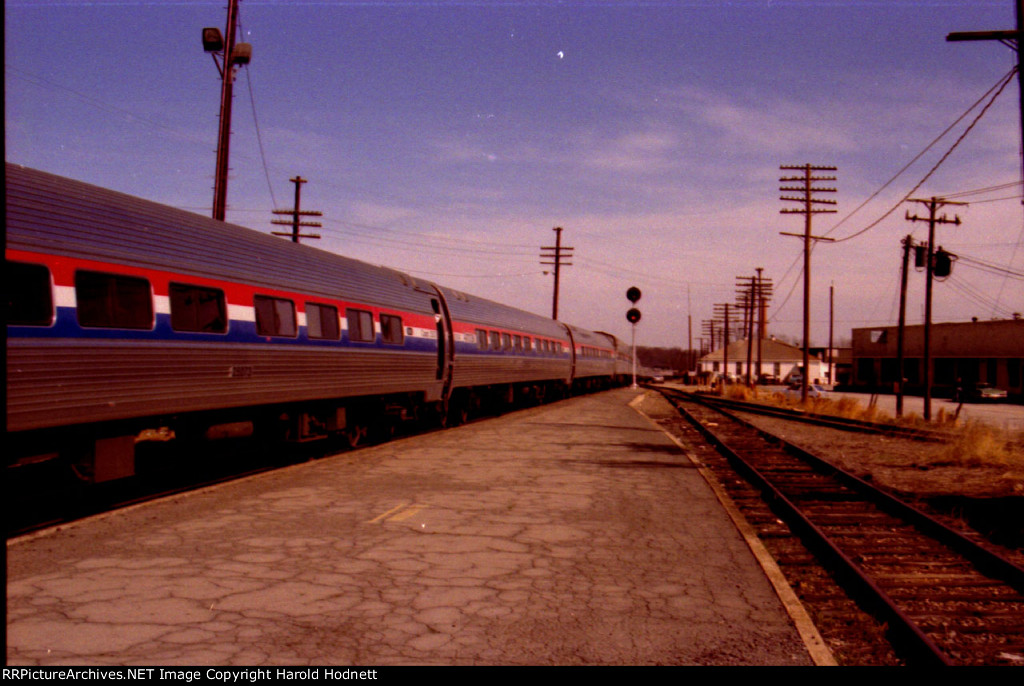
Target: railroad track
833	422
942	598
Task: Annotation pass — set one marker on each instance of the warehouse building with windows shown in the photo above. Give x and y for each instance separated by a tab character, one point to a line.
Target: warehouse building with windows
963	354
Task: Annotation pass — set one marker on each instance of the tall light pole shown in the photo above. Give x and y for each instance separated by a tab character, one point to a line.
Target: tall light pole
231	56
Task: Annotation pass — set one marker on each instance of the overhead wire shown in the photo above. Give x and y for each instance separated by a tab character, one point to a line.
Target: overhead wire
259	139
999	87
989	267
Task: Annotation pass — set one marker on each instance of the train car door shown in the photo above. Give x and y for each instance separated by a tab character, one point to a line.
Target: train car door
572	356
445	344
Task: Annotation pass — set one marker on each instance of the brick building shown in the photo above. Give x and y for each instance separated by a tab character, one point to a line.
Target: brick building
962	352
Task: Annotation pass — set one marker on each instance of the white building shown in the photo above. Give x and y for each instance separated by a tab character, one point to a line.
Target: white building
779	360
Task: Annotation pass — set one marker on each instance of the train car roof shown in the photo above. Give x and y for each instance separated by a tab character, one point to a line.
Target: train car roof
54	214
67	217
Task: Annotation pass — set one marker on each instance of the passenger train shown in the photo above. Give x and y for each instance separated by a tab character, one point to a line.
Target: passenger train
124	315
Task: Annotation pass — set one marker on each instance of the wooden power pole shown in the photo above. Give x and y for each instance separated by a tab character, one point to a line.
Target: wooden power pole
295	212
933	204
557	253
806	189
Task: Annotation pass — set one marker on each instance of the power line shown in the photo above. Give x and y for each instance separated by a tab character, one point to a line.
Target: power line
1000	85
990	267
979	191
259	139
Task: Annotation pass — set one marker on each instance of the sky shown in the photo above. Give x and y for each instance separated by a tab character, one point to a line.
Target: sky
448	139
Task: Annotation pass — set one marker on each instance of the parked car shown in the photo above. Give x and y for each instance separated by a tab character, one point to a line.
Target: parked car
982	393
795	391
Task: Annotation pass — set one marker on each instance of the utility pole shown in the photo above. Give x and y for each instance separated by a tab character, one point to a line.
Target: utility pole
908	243
725	349
762	293
296	213
691	362
557	253
727	316
746	298
933	204
1012	39
831	323
232	56
807	199
760	320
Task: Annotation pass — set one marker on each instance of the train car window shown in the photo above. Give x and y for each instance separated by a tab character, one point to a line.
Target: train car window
517	343
360	326
198	309
28	293
527	343
506	341
275	316
322	322
113	301
495	340
391	331
481	339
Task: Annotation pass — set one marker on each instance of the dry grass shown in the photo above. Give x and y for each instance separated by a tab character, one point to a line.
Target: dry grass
975	444
971	444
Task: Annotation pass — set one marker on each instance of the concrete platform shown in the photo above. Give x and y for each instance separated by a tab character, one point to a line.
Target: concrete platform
576	533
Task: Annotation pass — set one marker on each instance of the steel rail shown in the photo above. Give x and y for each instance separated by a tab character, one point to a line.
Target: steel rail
904	631
843	423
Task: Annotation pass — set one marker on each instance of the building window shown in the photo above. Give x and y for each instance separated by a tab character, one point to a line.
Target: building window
391	329
113	301
360	326
888	371
866	370
1013	367
28	292
275	316
322	322
198	309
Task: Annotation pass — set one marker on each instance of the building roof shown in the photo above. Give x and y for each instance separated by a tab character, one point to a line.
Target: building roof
772	350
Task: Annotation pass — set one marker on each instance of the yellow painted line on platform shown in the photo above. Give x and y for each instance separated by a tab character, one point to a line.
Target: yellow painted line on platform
395	514
408	513
386	514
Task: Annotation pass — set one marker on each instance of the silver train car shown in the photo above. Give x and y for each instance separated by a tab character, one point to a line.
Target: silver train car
125	315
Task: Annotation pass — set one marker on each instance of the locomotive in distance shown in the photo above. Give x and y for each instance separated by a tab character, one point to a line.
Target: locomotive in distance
125	315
